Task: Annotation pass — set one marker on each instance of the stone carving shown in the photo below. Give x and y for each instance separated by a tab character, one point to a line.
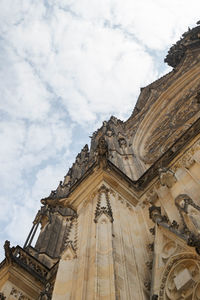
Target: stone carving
103	205
171	126
8	252
196	294
43	216
152	196
79	167
47	293
24	258
169	248
152	230
70	236
147	285
182	279
149	264
189	212
177	51
138	185
109	131
174	283
18	294
188	159
102	152
122	142
155	214
198	97
150	247
174	225
69	252
2	297
194	241
167	177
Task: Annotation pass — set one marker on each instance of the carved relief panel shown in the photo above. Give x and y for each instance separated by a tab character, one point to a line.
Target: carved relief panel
181	278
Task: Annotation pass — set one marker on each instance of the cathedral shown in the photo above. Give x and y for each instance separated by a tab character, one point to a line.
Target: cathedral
125	221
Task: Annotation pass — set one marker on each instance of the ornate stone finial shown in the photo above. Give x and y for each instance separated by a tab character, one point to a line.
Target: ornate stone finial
167	177
155	214
102	152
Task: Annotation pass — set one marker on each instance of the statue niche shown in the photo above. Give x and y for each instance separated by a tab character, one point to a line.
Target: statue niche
189	212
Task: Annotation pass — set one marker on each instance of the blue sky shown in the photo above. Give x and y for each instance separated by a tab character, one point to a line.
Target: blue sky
65	67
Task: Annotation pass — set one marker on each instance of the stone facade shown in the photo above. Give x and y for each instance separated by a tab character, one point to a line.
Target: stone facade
125	221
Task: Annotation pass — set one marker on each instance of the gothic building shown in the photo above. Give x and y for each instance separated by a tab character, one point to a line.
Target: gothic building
125	221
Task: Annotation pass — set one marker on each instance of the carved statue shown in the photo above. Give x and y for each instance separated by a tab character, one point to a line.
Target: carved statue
43	216
102	151
122	142
8	251
167	177
190	213
155	214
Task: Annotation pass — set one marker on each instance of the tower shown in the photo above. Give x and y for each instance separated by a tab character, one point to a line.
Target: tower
125	221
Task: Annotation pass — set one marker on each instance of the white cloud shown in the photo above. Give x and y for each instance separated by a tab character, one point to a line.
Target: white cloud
66	65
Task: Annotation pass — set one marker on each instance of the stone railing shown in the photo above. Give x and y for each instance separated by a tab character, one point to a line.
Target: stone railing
30	263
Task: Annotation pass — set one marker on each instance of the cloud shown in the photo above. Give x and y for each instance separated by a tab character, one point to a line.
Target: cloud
65	67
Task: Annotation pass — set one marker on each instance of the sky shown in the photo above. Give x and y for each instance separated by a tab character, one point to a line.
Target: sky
65	66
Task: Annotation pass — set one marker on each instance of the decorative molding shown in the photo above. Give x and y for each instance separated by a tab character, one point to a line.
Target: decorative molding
187	160
70	237
103	205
